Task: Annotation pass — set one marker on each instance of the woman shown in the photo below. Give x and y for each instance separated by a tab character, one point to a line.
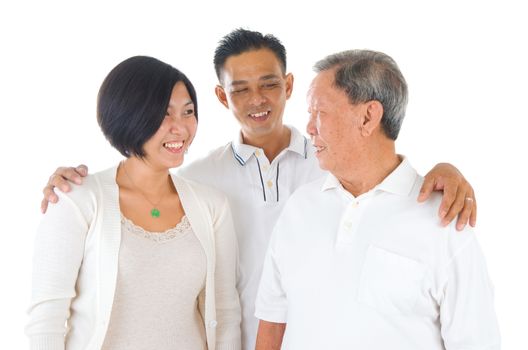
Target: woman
137	258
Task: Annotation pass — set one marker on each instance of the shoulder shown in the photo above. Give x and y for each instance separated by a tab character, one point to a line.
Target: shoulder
425	216
83	194
84	198
201	168
203	193
308	190
304	200
94	185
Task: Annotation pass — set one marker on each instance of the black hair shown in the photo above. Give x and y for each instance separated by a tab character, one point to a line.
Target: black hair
243	40
133	101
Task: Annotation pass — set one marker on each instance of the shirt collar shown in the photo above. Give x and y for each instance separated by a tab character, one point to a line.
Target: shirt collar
242	152
400	181
298	143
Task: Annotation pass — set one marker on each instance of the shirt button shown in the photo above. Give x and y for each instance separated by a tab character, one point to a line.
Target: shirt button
355	204
257	153
270	183
265	167
213	324
348	225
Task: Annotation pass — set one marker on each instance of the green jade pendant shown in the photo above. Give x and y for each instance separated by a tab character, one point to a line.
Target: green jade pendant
155	213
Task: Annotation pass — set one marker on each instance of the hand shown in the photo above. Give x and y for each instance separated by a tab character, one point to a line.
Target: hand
458	198
60	179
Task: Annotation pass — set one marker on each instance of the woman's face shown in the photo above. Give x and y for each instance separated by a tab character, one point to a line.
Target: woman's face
166	148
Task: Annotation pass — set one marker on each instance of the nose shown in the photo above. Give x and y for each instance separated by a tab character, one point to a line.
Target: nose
177	126
257	98
311	127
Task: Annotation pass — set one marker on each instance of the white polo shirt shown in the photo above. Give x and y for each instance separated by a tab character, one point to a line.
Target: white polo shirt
257	191
375	272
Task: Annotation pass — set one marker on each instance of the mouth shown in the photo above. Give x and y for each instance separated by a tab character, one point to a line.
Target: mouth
174	146
260	116
319	149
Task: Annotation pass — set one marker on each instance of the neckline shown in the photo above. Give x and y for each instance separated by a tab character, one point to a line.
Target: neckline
180	230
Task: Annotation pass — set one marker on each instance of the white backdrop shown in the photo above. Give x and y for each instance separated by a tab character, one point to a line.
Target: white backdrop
465	63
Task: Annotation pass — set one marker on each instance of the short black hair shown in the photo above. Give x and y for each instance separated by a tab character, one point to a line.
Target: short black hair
133	101
243	40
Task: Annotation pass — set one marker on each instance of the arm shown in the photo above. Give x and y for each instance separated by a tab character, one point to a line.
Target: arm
458	197
59	250
269	335
467	315
271	306
60	179
228	313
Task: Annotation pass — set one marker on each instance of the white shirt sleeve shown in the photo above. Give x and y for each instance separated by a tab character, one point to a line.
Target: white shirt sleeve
271	304
467	315
59	250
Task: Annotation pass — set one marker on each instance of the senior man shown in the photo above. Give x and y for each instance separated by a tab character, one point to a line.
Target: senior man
354	261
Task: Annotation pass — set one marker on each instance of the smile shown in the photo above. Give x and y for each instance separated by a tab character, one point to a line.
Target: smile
259	116
319	149
173	146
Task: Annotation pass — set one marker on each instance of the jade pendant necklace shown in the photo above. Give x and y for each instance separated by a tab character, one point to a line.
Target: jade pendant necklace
154	212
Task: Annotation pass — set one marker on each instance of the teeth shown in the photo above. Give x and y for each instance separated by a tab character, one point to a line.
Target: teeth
174	144
259	115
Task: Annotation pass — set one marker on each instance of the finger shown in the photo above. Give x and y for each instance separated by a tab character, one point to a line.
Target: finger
427	188
49	194
473	216
58	182
449	196
452	203
44	205
62	175
82	170
464	215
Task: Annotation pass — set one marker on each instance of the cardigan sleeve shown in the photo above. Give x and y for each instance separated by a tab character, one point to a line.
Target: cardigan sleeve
58	254
227	302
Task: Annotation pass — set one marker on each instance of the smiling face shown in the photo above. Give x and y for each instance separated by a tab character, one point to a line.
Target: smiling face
255	89
335	125
166	148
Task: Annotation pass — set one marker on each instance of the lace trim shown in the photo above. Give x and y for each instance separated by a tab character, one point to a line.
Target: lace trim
183	227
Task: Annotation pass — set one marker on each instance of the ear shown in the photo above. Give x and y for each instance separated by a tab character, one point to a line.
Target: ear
221	95
372	115
289	85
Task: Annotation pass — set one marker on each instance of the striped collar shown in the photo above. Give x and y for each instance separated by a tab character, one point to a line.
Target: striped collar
242	152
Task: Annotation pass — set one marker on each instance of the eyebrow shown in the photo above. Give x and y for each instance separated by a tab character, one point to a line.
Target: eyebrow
264	77
189	102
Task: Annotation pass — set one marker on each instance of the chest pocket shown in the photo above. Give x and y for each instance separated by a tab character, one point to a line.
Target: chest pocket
390	283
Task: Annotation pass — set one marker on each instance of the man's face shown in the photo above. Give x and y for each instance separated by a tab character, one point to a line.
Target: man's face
255	89
334	124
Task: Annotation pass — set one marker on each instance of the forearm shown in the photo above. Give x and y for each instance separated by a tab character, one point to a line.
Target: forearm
269	336
46	327
228	313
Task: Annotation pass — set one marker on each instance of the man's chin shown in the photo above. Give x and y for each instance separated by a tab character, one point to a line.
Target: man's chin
322	164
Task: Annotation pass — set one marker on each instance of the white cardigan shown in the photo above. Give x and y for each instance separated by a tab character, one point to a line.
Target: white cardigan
76	262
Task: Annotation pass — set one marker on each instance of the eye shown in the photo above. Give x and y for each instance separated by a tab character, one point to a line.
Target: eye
270	85
188	112
239	91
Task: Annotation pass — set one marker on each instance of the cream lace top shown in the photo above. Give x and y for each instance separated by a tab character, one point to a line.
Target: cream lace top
160	278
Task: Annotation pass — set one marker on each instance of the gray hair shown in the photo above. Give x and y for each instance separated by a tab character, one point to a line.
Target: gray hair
369	75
